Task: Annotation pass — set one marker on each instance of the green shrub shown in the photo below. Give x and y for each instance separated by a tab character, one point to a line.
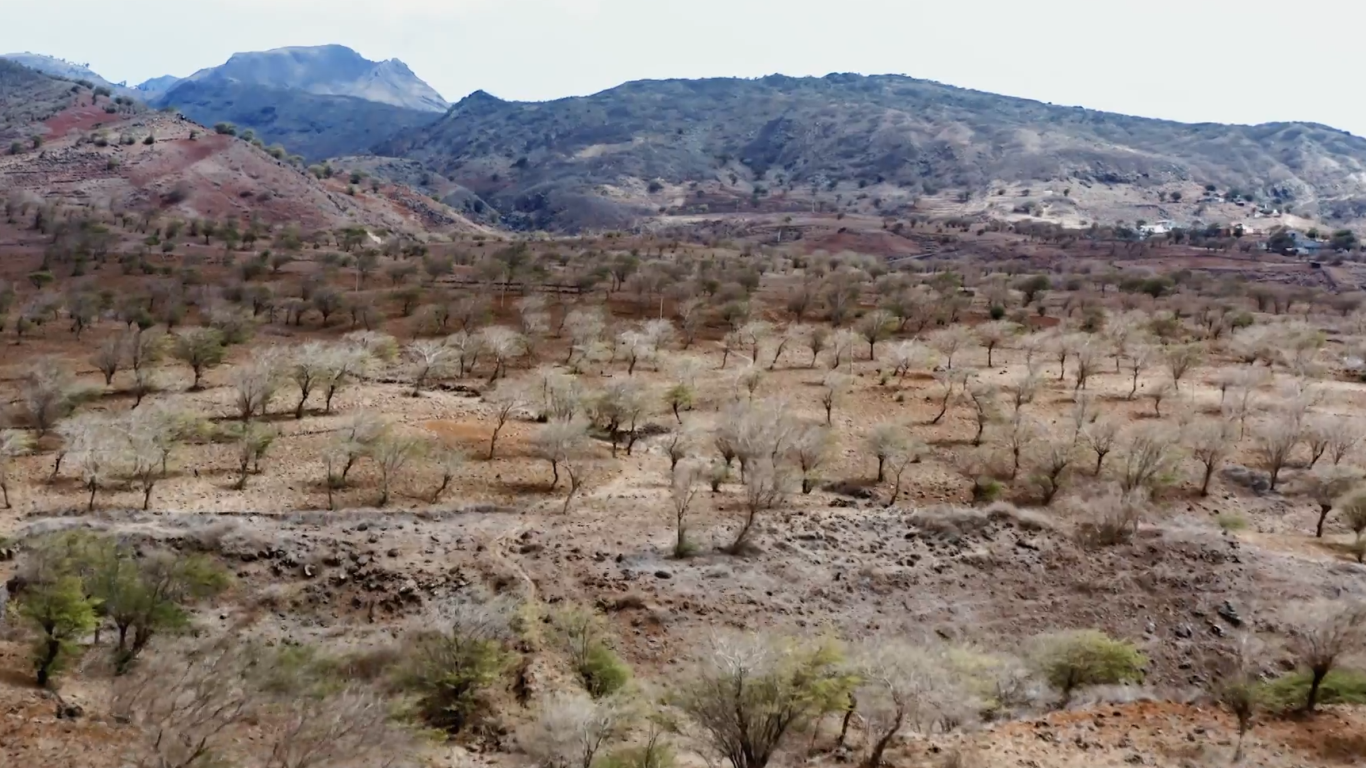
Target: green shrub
603	671
1231	522
450	672
1079	658
1290	692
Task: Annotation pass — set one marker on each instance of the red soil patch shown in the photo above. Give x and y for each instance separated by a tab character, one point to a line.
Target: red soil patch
79	118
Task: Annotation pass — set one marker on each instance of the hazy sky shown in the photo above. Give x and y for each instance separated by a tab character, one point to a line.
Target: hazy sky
1249	61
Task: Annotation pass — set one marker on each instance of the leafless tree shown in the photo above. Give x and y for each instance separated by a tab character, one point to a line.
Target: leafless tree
833	388
902	687
766	486
817	340
1139	359
898	463
308	367
1323	633
426	358
48	394
1325	486
356	439
1343	437
254	384
1022	391
948	385
13	444
1238	687
1020	435
109	357
1100	436
252	442
985	407
1148	457
1210	442
842	344
1181	358
1087	357
683	488
505	400
884	442
503	344
392	453
556	442
1052	461
1274	442
449	459
572	729
810	450
618	410
186	705
948	341
1324	431
993	334
579	468
1159	391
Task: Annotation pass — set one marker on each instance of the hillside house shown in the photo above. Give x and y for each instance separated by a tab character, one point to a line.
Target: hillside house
1156	229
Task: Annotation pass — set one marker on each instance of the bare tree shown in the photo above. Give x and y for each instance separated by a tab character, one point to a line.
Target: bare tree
356	440
985	407
993	334
185	705
335	725
1020	436
1087	358
1100	436
503	344
1238	687
505	401
1023	391
618	410
426	359
817	340
884	442
449	459
1274	442
948	384
109	357
1140	359
1325	486
1052	462
833	388
906	687
766	486
1181	358
948	341
1352	509
580	471
1343	437
683	488
1148	458
556	442
1210	441
254	385
392	453
308	367
1324	431
13	444
572	729
810	450
907	356
48	394
1323	633
1158	392
898	463
252	442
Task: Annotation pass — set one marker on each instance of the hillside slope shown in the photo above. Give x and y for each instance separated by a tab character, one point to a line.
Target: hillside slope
132	159
67	70
607	157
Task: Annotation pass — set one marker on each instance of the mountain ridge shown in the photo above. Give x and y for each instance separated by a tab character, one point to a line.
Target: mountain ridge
893	137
